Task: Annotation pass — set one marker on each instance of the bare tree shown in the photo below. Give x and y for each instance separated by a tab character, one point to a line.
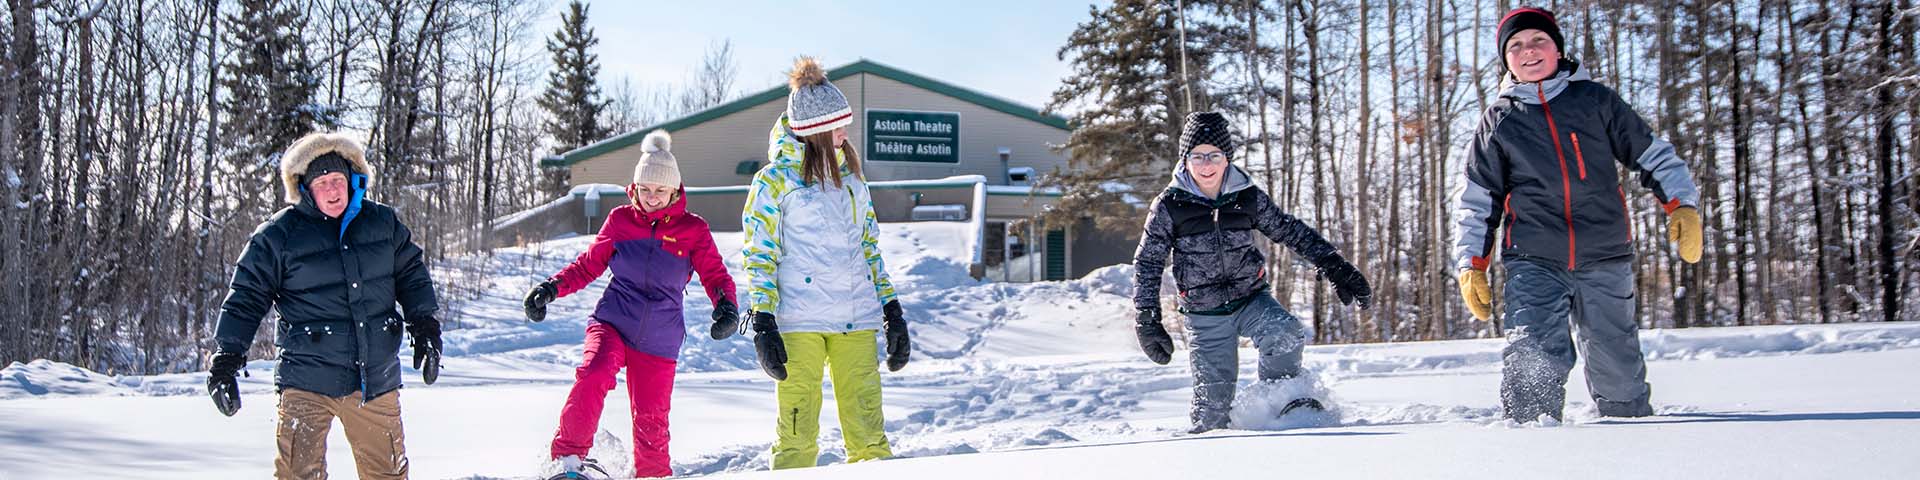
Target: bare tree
712	81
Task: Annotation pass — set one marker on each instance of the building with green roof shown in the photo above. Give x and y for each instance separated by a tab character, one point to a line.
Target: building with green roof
932	151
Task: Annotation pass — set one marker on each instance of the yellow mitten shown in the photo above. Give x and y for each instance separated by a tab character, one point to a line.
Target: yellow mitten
1478	294
1683	229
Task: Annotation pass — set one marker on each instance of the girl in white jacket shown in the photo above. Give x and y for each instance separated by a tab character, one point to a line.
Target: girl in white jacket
817	286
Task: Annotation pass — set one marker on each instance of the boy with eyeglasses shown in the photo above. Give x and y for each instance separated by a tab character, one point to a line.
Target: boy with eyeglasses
1207	219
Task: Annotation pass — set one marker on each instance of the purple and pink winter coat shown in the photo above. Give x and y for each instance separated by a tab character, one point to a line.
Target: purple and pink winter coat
653	256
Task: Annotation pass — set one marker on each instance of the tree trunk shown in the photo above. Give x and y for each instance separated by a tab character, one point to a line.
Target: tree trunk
1883	152
1310	32
1390	299
1290	190
1823	277
1434	146
1743	170
1363	140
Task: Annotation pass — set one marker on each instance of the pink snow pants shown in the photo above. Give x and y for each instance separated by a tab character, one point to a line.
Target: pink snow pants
649	386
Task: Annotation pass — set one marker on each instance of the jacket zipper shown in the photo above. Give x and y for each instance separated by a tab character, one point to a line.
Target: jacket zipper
1579	155
355	327
1222	239
1566	187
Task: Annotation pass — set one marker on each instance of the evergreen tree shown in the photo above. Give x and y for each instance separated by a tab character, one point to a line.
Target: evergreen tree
270	85
572	98
1129	85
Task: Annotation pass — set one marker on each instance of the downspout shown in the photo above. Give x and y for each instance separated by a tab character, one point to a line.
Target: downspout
590	208
978	266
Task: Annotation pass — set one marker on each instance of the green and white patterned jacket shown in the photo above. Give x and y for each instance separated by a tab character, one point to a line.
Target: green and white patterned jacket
812	252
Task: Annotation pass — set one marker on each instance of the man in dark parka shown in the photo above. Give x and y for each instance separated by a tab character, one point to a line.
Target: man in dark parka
335	265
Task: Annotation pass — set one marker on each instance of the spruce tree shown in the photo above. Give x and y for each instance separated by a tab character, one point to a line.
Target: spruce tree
1131	99
270	84
572	98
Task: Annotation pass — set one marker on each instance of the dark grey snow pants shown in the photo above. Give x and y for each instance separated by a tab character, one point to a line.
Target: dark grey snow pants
1214	348
1540	300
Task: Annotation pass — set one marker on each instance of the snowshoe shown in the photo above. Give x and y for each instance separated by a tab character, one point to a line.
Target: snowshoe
580	468
1299	403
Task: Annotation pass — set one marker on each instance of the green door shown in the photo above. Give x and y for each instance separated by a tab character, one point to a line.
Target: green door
1056	255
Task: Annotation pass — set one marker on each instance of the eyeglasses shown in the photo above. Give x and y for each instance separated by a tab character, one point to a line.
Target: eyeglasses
1207	158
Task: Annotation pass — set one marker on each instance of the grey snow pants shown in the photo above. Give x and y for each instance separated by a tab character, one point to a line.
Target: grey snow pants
1214	348
1540	300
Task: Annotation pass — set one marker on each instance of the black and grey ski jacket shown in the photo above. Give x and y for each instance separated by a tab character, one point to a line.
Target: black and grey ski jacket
1215	264
1527	168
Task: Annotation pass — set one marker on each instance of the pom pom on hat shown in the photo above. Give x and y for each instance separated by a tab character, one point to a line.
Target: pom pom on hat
657	165
814	105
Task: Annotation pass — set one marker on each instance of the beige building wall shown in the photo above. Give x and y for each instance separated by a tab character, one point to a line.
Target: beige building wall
982	132
709	152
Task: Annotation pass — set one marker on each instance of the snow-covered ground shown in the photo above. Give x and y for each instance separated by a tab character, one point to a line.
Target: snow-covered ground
1036	380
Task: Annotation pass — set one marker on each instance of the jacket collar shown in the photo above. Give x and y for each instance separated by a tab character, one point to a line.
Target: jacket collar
356	196
1530	92
308	206
1236	180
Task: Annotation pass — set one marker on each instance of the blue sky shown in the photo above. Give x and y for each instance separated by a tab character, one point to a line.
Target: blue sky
1001	47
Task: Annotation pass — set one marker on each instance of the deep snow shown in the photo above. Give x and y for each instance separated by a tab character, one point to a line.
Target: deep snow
1039	380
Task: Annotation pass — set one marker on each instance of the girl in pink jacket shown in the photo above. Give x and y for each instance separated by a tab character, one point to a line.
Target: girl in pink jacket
654	247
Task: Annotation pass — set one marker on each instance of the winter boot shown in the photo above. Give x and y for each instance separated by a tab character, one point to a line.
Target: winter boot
1208	426
575	467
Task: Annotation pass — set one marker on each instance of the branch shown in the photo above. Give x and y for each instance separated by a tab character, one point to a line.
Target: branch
1890	81
90	14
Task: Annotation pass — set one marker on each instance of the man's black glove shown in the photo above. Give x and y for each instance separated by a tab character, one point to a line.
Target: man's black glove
1348	284
221	384
426	347
1153	337
768	346
899	346
539	297
726	320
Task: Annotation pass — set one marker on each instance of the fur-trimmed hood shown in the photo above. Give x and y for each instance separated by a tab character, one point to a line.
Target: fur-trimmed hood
294	162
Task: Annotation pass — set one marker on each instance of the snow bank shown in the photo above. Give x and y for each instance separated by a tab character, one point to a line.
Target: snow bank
1731	342
1657	345
50	378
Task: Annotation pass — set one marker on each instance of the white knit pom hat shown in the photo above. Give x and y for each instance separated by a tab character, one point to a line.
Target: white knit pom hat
657	165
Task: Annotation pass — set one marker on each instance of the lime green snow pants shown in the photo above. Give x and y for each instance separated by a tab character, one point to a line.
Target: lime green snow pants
856	391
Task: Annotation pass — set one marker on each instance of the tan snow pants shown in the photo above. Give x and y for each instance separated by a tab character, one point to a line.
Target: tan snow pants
372	428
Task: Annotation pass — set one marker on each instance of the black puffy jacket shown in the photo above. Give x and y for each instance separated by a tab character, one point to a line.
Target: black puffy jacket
1215	264
336	292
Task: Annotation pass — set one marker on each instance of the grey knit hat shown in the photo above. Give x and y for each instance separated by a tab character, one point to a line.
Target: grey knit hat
815	105
657	165
1206	128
